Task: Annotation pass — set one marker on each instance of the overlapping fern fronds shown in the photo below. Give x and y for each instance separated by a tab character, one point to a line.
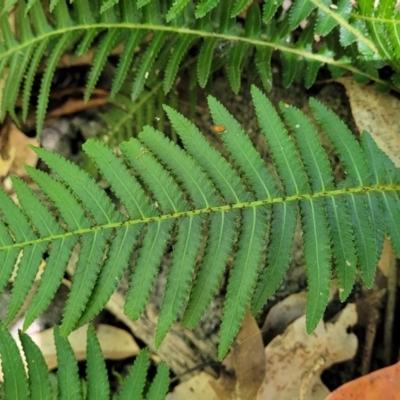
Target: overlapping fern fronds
209	30
240	209
37	384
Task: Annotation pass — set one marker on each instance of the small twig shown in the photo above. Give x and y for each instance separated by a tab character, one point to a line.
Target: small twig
390	309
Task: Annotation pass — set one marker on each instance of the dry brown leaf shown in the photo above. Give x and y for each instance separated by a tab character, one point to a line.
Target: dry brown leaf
115	344
14	151
388	257
377	113
244	371
248	359
282	314
293	356
286	311
196	388
72	106
245	364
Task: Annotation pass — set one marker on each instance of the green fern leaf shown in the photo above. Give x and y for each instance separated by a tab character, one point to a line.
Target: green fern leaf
15	379
279	250
108	4
147	265
18	65
238	7
176	8
247	256
299	11
111	272
282	148
7	5
125	60
142	3
74	216
311	70
30	75
346	145
204	7
100	58
243	275
53	4
39	382
212	266
376	160
179	277
234	65
60	252
325	23
8	38
98	386
204	61
316	239
240	147
187	242
147	61
93	245
86	42
9	258
63	43
290	63
263	65
85	13
159	386
319	172
185	41
377	29
69	386
317	257
87	268
269	9
89	193
30	261
135	381
362	208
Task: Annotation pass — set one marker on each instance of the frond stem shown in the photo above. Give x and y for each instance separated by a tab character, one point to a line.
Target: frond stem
224	208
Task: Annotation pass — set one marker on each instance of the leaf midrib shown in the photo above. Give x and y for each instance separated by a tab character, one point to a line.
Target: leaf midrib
201	34
224	208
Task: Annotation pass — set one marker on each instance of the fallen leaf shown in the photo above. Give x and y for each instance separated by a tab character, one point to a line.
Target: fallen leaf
282	314
14	150
196	388
292	357
245	364
115	343
288	310
388	257
377	113
381	384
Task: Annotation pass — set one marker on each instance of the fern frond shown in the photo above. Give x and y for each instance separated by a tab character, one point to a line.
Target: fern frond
237	208
76	27
69	385
37	385
15	379
96	372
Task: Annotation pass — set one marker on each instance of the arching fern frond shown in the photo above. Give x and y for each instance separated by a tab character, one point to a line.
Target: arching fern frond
36	383
194	195
166	35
